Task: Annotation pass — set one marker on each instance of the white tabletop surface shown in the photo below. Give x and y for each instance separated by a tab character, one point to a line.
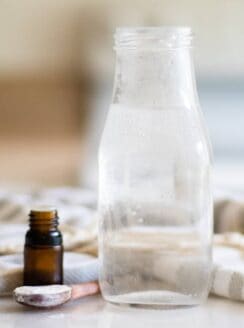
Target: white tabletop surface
93	312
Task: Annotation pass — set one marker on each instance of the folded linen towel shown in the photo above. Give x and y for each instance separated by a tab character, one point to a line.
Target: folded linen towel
78	268
228	211
228	273
76	210
79	226
227	278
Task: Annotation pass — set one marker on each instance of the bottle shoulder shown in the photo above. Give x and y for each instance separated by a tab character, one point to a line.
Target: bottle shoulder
37	237
174	132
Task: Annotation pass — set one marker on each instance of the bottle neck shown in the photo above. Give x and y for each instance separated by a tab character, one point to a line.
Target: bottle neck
44	221
157	78
43	228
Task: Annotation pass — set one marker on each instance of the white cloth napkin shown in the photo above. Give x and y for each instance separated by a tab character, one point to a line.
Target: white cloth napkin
76	209
78	268
228	273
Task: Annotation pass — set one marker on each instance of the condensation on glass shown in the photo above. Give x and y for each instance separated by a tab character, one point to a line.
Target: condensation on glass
155	200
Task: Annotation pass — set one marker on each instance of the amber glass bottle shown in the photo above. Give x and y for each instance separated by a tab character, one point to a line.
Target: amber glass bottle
43	253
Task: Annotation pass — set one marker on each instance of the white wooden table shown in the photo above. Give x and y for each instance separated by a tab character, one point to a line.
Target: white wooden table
93	312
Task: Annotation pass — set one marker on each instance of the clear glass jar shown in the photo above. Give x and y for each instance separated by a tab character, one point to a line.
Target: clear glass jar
155	199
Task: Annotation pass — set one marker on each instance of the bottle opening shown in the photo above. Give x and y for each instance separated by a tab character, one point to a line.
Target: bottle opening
152	38
43	212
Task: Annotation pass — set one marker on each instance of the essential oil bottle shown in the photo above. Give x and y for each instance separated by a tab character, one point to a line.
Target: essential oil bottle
43	252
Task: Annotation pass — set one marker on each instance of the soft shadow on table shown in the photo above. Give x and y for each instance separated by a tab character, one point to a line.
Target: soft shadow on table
72	314
206	315
113	317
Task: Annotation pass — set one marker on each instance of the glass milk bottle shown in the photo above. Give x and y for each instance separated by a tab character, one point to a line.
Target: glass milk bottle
155	200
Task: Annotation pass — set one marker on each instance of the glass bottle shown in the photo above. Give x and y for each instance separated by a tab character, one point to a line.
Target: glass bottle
43	252
155	200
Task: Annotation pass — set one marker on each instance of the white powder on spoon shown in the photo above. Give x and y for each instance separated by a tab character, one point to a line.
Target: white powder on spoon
42	296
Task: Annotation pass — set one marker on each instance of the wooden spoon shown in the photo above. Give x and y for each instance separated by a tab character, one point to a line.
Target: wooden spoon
53	295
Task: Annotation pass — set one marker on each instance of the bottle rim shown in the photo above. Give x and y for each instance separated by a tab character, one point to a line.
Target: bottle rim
153	38
43	212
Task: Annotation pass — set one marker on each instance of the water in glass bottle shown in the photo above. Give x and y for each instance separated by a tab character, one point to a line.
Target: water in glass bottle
155	200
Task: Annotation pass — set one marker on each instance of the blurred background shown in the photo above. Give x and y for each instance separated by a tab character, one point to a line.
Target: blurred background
56	76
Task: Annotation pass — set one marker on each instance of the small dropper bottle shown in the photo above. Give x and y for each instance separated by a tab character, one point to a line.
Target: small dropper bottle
43	252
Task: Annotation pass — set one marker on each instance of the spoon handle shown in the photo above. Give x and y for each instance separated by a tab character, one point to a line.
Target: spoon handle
84	289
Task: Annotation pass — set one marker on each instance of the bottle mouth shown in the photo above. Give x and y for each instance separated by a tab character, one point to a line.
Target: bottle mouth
153	38
43	213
